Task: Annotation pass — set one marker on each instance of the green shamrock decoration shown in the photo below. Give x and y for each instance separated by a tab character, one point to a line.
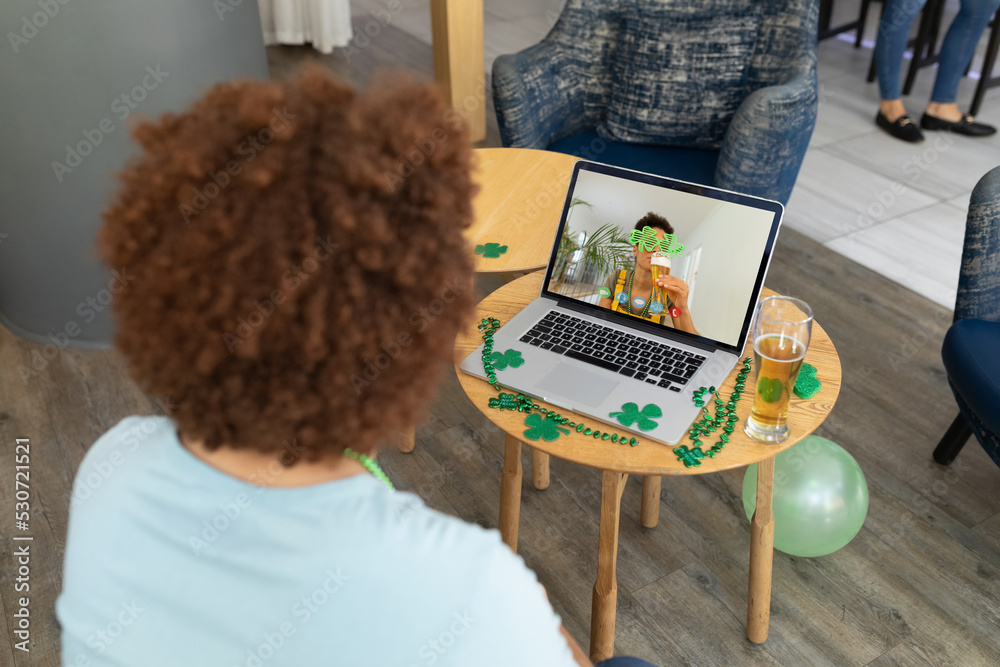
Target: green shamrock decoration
543	428
502	360
491	250
507	401
689	457
769	389
643	419
807	383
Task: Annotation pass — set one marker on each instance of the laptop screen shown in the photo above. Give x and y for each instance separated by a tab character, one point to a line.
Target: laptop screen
622	230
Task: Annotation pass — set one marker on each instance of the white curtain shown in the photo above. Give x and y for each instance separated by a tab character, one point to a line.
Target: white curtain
323	23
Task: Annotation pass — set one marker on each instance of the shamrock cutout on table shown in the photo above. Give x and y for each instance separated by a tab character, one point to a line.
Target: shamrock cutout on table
542	428
643	419
807	383
491	250
506	401
502	360
769	389
689	457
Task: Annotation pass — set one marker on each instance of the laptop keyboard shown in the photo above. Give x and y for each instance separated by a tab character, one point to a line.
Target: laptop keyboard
614	350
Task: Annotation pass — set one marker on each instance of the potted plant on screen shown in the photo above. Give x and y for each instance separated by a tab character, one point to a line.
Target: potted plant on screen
600	252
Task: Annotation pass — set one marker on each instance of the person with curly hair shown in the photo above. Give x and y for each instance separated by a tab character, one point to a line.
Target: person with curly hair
300	275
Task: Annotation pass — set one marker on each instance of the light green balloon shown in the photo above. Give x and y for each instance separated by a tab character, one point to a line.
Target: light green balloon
820	497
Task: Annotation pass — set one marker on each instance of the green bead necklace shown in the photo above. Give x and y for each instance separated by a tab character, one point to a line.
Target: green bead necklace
645	309
725	417
370	465
489	326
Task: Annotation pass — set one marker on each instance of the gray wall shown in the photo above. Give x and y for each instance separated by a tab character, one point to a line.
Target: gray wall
65	66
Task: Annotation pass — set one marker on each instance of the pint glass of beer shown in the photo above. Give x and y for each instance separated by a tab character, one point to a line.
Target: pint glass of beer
782	328
659	264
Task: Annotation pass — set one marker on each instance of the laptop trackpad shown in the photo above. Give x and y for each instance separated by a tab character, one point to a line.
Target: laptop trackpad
577	384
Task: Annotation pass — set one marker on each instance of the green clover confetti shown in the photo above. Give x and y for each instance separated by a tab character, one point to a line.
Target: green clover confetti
502	360
689	457
769	389
491	250
543	428
807	383
630	414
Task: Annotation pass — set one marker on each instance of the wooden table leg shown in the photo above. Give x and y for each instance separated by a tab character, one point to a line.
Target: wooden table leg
761	555
510	492
602	613
650	512
407	440
539	469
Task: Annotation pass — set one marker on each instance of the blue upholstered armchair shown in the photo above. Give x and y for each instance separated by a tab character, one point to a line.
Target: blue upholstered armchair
566	93
971	351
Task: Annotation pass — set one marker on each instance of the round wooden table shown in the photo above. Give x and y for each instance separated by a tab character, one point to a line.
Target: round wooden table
519	203
649	459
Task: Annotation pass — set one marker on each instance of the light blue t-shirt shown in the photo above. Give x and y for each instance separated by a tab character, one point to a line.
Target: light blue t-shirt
170	562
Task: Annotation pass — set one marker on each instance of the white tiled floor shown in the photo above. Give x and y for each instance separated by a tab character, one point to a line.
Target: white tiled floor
896	208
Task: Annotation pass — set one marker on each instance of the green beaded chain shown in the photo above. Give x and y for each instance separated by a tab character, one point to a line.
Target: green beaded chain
645	309
370	465
489	326
725	416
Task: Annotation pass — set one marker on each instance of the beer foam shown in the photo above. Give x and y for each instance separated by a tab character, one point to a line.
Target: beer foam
795	344
660	260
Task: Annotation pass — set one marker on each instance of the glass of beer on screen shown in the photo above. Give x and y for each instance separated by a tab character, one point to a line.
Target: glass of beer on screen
659	264
782	328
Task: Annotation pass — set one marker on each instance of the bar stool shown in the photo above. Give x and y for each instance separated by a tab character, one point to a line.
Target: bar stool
986	78
923	46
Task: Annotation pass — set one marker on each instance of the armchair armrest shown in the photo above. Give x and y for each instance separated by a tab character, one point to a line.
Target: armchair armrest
979	280
767	139
536	101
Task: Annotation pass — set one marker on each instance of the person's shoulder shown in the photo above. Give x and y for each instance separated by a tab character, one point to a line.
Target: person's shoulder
427	529
130	440
129	433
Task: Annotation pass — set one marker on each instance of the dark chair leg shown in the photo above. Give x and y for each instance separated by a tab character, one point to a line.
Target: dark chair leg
986	79
862	19
953	441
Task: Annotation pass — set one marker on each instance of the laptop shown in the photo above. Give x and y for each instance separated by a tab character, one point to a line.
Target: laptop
600	337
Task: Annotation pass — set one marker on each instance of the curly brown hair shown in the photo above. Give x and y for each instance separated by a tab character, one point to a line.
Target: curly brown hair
300	269
656	221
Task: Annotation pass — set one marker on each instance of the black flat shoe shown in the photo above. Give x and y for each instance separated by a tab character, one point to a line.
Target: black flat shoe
904	128
966	126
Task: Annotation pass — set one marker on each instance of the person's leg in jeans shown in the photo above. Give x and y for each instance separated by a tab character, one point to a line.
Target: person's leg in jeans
956	51
893	33
624	661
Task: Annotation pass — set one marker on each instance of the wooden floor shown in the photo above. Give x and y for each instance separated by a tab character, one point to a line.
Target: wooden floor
920	585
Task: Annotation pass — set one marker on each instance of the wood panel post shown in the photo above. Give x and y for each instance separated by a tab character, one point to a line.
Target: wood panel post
459	68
